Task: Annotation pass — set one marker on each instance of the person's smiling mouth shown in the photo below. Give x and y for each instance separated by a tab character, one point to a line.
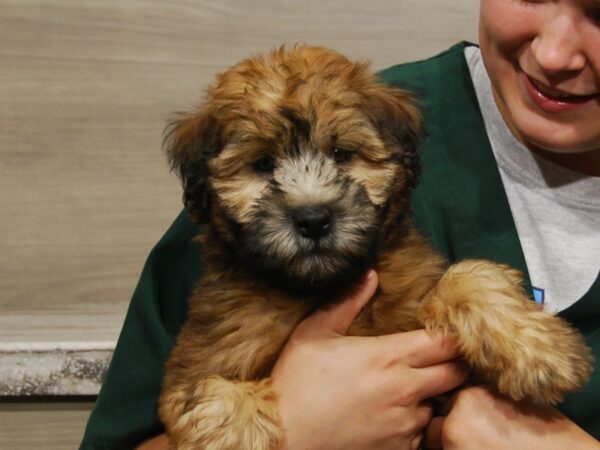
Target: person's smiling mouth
561	96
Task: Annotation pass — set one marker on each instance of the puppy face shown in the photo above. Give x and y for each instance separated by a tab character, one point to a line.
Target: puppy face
300	162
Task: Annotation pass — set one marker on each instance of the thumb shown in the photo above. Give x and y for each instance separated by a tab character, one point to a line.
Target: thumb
337	317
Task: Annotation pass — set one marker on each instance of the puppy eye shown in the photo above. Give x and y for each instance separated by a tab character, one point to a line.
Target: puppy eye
340	155
266	164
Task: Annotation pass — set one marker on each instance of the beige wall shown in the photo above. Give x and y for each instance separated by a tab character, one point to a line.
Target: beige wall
86	88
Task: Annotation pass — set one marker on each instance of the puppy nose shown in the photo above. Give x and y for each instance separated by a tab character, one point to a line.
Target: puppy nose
313	222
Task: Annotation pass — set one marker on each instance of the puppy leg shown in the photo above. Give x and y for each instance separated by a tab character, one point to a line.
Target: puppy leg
507	339
222	415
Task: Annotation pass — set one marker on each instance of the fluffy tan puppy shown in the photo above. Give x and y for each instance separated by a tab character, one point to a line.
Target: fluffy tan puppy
300	164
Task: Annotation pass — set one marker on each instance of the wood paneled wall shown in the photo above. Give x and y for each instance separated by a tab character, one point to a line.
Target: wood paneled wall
37	425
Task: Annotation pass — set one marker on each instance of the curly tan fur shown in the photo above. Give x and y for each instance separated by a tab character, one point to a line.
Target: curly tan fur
267	143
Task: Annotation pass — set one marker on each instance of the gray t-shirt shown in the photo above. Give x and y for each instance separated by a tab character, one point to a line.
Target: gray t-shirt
556	210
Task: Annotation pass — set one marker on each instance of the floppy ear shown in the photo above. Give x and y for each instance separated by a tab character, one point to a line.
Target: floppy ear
399	122
190	141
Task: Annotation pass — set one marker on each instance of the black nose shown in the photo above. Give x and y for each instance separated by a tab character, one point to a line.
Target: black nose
313	222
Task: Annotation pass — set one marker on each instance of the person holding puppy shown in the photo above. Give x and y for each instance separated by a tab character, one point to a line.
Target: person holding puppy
511	173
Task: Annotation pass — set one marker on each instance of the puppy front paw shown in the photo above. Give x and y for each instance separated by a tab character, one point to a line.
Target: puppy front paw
223	415
510	343
546	359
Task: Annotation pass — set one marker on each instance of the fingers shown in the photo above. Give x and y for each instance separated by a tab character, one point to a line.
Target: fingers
418	349
336	318
433	434
439	378
416	442
424	414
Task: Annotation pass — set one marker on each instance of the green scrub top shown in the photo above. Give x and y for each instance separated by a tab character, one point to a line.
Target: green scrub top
460	204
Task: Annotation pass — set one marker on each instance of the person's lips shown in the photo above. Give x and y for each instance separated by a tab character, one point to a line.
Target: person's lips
555	100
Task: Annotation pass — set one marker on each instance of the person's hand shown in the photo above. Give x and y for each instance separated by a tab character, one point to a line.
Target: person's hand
478	419
360	393
160	442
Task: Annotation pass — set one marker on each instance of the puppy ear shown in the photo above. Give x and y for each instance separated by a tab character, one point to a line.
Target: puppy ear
398	119
190	141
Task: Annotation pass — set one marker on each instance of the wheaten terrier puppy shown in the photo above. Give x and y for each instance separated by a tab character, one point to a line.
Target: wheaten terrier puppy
299	166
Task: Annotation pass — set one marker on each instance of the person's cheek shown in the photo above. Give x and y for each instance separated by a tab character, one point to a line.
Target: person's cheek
509	25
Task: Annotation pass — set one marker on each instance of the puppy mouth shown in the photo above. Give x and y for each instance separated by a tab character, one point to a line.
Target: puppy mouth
318	272
307	266
309	247
315	259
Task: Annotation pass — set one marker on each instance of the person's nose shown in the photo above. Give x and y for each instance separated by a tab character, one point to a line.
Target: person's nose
558	46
